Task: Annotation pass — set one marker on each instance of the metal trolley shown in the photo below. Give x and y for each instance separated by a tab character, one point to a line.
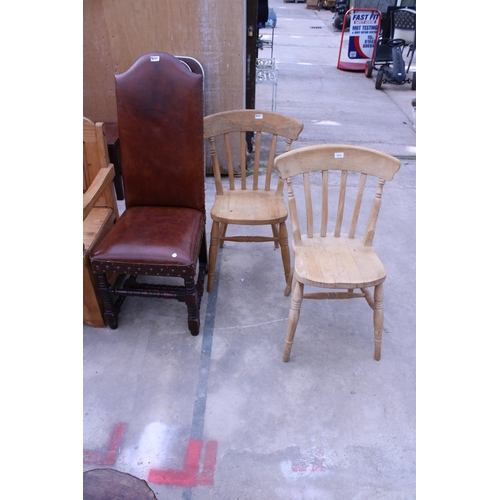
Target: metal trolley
398	33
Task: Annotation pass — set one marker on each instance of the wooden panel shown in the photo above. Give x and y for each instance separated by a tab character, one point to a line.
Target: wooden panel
117	32
95	227
132	28
98	75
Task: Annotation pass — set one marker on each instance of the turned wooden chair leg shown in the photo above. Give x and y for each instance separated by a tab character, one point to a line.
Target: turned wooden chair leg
289	282
223	228
212	256
202	262
110	312
378	318
285	252
274	227
192	304
293	317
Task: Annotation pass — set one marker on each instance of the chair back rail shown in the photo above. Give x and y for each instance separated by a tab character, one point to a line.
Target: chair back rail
233	127
353	164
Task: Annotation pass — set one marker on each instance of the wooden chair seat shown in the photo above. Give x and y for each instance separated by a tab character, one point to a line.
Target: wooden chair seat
249	208
137	241
337	262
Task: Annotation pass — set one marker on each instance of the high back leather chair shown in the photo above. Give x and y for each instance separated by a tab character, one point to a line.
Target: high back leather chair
336	251
162	230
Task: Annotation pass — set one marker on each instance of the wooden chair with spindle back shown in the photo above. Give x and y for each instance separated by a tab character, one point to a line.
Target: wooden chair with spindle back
251	203
336	260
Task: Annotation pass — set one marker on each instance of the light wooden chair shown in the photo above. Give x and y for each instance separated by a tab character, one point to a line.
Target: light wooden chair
336	260
252	205
100	212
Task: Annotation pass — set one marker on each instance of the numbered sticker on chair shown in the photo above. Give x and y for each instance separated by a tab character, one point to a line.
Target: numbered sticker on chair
339	155
259	117
154	58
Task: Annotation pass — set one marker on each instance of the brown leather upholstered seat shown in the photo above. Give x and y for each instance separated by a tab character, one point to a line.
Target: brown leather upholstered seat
139	240
162	231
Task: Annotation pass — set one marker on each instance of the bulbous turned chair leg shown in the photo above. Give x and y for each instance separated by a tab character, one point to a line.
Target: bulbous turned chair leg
293	317
223	229
275	230
212	257
192	307
110	312
289	282
285	254
378	319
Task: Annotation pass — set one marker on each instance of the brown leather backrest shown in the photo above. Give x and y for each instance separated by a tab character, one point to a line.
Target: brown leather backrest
160	123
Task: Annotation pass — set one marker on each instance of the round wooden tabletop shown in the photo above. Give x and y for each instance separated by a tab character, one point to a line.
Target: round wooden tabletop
110	484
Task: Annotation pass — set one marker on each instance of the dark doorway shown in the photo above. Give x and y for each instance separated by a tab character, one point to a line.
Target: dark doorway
257	12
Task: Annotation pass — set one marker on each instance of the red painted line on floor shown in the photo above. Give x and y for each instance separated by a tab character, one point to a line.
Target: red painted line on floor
206	477
109	457
189	475
315	465
186	477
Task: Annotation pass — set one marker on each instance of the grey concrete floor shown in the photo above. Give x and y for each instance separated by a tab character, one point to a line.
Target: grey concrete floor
220	415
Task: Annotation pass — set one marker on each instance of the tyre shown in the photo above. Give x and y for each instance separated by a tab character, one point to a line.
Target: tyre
414	81
338	21
380	77
368	69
